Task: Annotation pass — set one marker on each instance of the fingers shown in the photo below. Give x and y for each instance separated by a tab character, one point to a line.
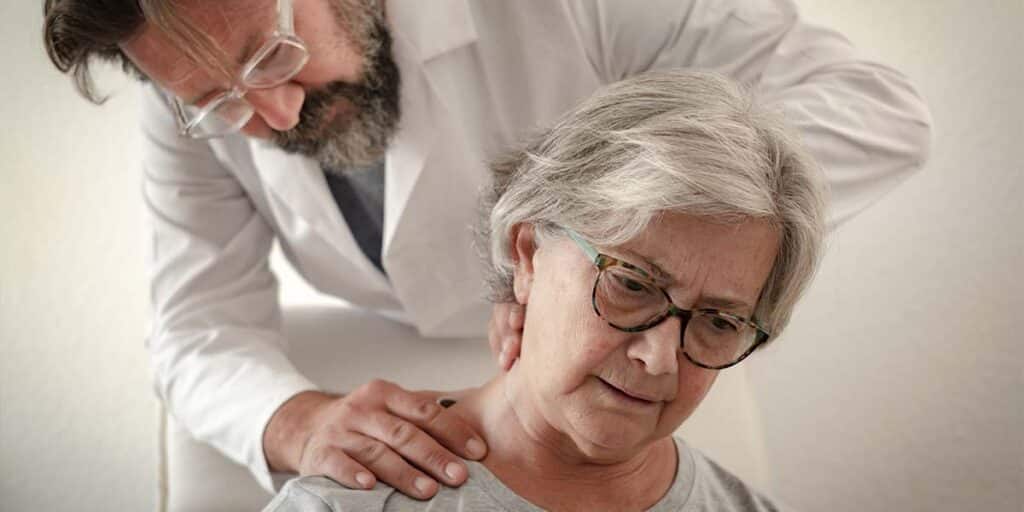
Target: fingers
506	332
514	340
417	447
390	467
444	426
356	458
494	328
516	316
337	465
509	352
381	431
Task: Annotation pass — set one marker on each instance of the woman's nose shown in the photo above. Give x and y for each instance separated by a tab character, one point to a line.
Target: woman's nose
279	106
658	348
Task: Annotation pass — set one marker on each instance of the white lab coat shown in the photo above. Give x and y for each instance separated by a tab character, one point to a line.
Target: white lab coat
477	77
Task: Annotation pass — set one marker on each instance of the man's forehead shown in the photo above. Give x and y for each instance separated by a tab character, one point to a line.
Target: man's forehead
220	14
235	27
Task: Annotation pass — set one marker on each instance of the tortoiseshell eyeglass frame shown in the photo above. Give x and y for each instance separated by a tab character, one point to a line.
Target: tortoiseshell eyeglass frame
603	262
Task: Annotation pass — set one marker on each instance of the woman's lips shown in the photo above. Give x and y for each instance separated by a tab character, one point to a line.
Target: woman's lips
629	395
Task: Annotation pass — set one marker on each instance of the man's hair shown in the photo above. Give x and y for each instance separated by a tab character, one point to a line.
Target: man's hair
77	32
674	141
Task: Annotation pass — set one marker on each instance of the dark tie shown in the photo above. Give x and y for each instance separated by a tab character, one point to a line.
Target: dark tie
359	194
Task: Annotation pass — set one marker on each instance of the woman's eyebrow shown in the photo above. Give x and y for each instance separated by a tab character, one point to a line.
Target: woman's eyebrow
647	265
663	278
727	304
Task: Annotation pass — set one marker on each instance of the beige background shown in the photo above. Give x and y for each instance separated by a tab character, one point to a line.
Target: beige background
898	386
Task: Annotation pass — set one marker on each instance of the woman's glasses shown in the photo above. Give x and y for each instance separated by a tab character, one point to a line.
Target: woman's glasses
625	296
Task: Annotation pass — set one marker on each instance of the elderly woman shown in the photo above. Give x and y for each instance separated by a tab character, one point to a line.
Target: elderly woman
661	232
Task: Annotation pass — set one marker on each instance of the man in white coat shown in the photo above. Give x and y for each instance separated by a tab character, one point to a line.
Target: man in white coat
356	133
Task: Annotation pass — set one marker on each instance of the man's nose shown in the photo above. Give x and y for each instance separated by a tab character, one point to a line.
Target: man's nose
279	106
658	347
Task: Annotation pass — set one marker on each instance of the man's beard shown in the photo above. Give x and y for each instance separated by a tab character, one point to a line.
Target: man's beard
348	125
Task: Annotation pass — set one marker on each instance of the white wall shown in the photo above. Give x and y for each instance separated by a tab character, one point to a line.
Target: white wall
76	415
77	419
897	387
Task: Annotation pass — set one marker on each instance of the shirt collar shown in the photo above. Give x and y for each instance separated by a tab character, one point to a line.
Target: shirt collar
432	28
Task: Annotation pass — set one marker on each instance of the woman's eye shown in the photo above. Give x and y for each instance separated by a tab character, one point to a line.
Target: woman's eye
632	285
722	324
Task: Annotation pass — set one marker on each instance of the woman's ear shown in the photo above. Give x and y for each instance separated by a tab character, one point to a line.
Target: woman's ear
524	244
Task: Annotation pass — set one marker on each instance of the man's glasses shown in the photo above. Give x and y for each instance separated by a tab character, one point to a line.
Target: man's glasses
275	63
626	297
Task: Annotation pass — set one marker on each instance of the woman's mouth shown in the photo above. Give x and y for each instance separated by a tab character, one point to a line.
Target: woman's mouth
626	396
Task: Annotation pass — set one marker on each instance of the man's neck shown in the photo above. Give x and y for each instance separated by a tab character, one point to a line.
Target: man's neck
546	469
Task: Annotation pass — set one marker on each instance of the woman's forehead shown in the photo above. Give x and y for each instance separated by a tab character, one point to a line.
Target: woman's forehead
729	261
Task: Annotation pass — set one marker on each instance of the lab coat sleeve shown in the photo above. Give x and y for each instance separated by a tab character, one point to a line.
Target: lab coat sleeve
863	121
216	347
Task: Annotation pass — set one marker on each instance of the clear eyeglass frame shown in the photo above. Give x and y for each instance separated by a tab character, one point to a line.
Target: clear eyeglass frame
227	112
603	263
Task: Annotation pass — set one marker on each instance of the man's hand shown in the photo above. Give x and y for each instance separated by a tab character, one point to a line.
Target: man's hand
378	431
506	332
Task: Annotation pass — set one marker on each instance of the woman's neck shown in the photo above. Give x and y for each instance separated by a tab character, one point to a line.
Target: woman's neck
544	466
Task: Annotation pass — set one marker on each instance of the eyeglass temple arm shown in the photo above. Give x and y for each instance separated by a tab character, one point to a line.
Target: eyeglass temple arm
587	248
284	14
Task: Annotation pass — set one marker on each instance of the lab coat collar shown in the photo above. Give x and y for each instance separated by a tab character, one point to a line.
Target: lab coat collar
430	190
302	204
432	28
419	197
421	208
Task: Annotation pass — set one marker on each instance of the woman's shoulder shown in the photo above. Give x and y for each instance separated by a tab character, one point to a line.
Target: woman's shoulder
482	491
716	488
318	493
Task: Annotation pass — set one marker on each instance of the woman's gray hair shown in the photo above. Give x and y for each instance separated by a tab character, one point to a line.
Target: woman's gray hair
669	141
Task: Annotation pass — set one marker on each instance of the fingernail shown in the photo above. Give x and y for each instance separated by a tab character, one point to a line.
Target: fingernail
364	479
453	470
476	448
424	485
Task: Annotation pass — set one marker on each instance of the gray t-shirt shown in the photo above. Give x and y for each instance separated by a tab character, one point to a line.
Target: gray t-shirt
700	485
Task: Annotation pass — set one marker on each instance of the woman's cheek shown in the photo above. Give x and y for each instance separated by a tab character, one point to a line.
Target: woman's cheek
694	384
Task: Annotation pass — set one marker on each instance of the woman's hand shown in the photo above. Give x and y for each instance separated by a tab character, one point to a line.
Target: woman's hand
505	333
378	431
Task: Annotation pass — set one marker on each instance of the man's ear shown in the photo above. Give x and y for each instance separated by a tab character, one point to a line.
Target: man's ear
524	245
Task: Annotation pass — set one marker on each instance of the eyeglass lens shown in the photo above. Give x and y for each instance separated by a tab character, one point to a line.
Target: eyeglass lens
628	300
228	116
275	64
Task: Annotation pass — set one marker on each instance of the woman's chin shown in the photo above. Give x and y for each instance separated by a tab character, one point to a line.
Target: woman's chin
611	439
